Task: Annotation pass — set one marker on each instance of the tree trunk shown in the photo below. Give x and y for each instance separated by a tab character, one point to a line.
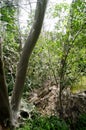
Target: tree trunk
60	101
27	50
5	115
61	80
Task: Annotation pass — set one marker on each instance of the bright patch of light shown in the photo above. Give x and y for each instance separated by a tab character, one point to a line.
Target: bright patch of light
48	23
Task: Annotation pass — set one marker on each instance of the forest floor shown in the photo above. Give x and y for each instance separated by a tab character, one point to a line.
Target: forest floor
46	100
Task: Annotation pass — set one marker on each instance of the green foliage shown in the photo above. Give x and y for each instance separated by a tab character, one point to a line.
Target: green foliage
61	8
25	128
8	15
46	123
10	36
78	124
46	60
54	123
11	57
43	61
78	14
81	123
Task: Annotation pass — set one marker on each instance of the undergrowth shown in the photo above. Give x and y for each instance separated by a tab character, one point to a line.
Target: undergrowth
45	123
54	123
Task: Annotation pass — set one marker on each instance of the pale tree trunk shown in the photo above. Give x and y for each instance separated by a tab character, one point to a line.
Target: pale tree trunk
27	50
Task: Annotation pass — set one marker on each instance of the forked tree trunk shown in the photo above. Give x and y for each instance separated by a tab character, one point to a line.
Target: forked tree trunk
6	119
27	50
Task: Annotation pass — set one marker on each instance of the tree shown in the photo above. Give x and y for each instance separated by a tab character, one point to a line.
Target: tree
6	111
70	40
71	44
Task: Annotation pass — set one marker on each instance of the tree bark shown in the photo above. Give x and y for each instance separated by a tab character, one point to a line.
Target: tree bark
27	50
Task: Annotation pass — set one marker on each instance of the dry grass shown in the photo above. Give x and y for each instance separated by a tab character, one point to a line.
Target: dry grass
80	86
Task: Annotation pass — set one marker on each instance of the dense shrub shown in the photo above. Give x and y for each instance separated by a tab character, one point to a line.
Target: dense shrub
81	122
45	123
